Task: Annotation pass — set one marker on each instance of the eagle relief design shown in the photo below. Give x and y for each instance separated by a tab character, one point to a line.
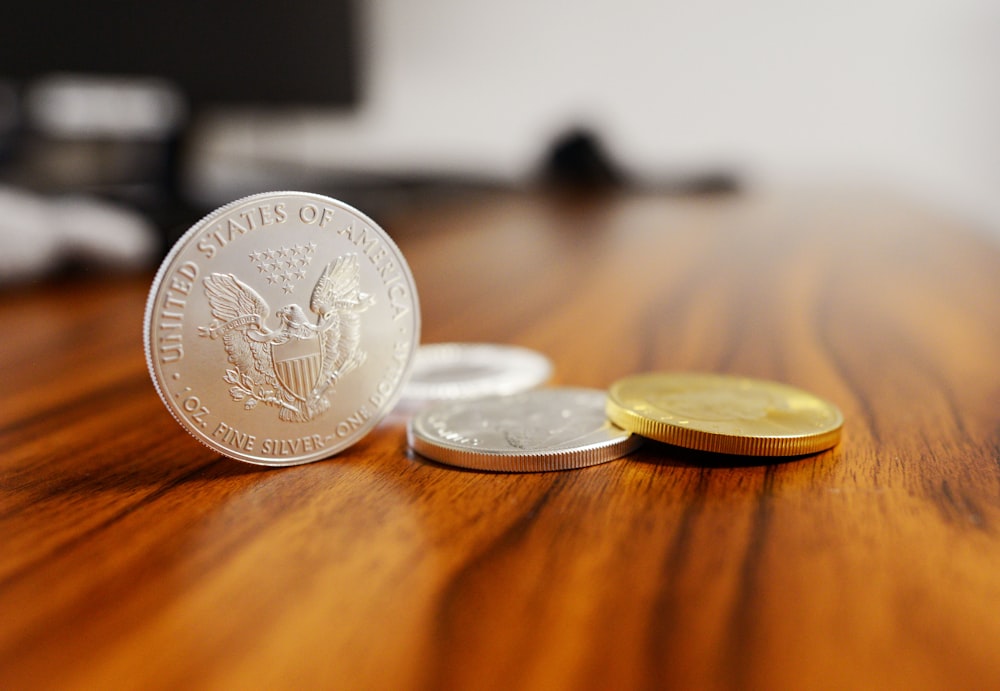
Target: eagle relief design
295	367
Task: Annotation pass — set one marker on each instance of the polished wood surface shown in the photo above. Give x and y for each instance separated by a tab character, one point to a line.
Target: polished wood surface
133	557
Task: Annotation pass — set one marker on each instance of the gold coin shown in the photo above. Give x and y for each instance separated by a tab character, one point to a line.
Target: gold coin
724	414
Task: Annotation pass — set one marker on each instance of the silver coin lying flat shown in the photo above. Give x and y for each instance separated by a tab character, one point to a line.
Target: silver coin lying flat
459	371
544	429
280	328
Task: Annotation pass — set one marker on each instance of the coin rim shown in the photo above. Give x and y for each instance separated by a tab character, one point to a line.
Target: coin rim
716	442
181	244
513	378
501	461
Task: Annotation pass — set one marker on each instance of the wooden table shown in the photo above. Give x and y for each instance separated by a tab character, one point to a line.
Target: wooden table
135	558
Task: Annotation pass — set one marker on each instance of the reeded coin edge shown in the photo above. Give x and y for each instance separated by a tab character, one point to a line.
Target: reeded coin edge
167	262
721	443
523	461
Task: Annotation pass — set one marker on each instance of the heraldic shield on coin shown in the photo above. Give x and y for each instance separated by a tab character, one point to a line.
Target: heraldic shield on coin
280	329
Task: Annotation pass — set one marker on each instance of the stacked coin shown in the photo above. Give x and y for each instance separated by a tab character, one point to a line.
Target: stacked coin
556	429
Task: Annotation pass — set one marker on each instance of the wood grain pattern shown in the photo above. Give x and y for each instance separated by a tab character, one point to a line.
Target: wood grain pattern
133	557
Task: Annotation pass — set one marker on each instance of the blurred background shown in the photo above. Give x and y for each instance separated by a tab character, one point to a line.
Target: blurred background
121	123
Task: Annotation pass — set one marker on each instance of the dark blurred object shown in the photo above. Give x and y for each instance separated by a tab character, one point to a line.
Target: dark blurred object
710	182
9	120
104	93
103	135
115	138
223	51
578	159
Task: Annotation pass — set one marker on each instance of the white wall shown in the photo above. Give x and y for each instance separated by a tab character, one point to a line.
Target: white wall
903	94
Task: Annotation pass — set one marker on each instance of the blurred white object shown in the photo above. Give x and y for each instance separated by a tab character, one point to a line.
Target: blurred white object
29	244
38	235
78	106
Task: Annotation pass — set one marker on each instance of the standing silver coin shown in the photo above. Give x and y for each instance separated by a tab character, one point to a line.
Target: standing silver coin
453	371
280	328
544	429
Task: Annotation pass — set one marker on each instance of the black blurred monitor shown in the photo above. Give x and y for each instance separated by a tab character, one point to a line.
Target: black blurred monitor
263	52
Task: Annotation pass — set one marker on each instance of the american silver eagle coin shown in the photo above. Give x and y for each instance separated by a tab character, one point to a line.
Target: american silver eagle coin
534	431
280	328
